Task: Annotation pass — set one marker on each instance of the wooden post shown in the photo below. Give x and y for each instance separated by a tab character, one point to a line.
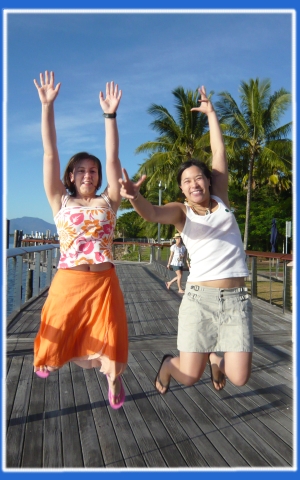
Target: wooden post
16	234
7	233
254	277
287	287
29	284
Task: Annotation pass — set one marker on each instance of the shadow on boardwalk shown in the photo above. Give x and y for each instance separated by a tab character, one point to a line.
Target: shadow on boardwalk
65	421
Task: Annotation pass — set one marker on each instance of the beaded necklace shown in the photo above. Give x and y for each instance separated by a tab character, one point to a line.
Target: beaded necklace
207	210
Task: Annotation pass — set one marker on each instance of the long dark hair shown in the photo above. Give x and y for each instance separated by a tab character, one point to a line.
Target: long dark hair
71	165
197	163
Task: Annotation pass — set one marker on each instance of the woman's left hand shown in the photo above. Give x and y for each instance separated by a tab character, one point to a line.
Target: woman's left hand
110	103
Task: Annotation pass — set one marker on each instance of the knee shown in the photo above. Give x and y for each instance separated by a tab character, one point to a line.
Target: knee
188	380
239	379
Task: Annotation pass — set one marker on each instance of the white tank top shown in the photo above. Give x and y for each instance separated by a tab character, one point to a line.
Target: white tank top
214	244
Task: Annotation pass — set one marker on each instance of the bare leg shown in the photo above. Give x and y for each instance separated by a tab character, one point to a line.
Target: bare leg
168	284
115	387
186	369
176	279
179	276
235	365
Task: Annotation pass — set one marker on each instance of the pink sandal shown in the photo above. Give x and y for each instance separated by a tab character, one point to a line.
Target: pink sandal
42	373
120	398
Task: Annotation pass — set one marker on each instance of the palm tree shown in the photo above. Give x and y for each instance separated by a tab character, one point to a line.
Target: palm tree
255	143
179	140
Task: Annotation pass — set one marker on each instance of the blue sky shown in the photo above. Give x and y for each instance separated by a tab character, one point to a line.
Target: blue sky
147	54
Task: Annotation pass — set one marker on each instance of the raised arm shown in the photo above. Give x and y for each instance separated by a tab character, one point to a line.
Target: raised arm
109	105
172	213
53	185
219	161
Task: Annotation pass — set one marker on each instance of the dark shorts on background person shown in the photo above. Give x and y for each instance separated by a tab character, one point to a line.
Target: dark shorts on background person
175	268
215	320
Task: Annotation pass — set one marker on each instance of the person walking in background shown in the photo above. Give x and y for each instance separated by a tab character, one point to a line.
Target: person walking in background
83	319
177	260
215	315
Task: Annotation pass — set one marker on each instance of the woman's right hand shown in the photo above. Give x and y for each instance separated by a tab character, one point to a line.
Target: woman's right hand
47	92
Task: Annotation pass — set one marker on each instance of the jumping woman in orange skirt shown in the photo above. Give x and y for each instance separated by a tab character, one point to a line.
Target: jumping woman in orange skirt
83	319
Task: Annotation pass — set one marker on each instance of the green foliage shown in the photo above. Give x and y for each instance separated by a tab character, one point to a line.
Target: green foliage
265	206
257	147
129	225
179	139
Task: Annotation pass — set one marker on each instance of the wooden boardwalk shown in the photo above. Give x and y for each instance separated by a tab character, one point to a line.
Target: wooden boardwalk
65	421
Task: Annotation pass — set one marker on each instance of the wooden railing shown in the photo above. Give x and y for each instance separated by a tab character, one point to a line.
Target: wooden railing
25	268
31	269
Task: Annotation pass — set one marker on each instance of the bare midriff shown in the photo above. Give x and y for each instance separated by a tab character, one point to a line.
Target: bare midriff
95	267
222	283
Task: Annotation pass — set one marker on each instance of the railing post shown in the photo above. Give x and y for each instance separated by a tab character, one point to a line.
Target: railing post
287	284
29	284
7	233
254	277
152	254
49	267
270	279
18	284
36	278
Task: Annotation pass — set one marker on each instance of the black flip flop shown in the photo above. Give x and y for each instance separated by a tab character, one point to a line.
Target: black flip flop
213	380
157	379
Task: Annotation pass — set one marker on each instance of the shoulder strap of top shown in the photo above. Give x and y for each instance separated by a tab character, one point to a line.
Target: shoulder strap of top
64	201
105	197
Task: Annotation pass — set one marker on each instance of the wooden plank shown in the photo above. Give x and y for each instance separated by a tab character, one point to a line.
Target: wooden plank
170	453
91	452
242	421
171	415
127	443
12	381
163	341
33	446
242	405
17	421
72	454
151	454
52	452
107	436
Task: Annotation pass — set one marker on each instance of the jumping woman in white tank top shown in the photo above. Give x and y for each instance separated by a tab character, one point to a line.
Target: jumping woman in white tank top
215	316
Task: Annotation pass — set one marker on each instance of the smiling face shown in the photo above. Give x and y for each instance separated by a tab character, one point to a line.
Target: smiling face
195	185
85	177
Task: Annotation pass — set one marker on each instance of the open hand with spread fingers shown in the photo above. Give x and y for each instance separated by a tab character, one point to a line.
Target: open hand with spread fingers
110	103
130	189
47	92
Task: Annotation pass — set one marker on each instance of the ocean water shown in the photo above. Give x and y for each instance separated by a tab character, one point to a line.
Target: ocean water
10	277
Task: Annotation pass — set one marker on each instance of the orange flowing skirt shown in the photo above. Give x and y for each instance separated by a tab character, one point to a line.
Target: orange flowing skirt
84	321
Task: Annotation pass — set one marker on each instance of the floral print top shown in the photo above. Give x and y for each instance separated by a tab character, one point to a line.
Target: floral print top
85	234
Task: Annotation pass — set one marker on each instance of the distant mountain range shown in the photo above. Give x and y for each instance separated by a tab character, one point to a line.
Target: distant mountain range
31	224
